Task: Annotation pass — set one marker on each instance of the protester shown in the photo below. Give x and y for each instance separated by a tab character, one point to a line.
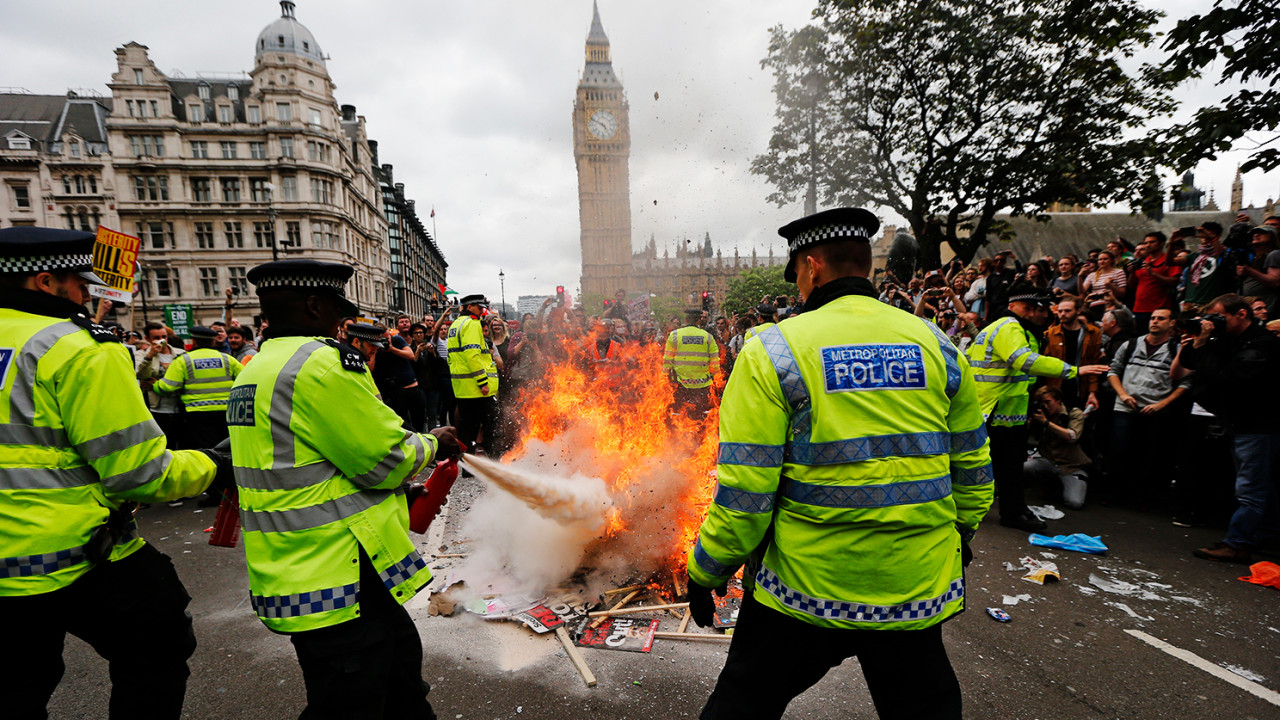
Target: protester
1060	465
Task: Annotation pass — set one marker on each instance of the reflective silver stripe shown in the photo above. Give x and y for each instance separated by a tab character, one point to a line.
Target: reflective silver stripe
17	434
281	410
314	601
19	478
752	454
743	500
969	477
389	462
294	478
149	471
224	389
950	355
464	376
128	437
906	492
784	363
1002	378
22	404
44	564
710	565
314	516
210	380
855	611
191	367
872	447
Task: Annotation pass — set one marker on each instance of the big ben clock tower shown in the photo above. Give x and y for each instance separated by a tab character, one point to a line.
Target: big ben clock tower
601	145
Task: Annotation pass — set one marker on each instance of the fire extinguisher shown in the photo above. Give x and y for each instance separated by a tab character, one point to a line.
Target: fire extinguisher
226	526
427	505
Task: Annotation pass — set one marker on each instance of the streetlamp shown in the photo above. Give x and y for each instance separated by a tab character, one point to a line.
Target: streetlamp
502	283
270	190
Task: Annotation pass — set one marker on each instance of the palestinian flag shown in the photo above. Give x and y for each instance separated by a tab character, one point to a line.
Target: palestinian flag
446	290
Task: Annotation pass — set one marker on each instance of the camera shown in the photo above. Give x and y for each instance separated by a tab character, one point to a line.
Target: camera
1191	326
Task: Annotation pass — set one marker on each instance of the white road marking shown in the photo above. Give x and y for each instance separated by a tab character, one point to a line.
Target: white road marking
1195	660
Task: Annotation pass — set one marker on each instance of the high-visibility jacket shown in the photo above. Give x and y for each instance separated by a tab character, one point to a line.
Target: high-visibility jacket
754	331
320	463
203	377
471	366
853	455
692	354
1006	358
76	441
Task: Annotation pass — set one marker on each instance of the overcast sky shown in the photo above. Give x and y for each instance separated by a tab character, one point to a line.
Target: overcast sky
471	101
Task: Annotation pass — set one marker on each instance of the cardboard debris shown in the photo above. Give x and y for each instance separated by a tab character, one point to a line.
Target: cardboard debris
625	634
501	607
1040	571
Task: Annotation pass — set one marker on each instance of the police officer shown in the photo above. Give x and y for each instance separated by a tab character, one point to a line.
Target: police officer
474	375
853	469
1006	357
690	359
321	463
366	339
768	315
202	378
77	449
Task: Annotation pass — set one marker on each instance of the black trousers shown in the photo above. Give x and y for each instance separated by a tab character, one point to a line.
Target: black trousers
775	657
408	403
693	403
174	428
132	612
474	415
1008	453
368	668
205	429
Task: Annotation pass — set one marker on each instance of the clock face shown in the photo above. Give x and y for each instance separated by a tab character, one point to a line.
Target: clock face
603	124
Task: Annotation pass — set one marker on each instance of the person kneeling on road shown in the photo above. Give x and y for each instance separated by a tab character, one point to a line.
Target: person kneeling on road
1061	463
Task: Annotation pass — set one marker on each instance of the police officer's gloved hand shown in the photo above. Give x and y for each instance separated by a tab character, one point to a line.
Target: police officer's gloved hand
220	454
447	443
701	607
966	552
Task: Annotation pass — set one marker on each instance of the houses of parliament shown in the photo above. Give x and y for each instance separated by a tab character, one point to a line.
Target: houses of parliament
601	149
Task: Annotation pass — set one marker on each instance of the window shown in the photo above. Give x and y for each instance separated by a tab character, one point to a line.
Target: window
93	184
195	113
166	281
258	150
236	279
283	112
199	149
74	148
264	234
289	187
228	149
142	108
155	108
66	185
204	235
233	93
224	114
208	282
204	93
321	191
293	234
258	190
254	114
315	118
156	235
21	196
286	147
146	145
129	104
235	236
138	79
79	181
201	189
149	187
230	189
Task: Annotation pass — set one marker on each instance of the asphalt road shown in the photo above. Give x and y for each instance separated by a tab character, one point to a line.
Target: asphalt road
1065	655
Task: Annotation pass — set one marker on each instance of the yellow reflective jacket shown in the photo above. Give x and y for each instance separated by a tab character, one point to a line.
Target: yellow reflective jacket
203	377
76	440
692	354
754	331
854	456
320	463
471	366
1006	359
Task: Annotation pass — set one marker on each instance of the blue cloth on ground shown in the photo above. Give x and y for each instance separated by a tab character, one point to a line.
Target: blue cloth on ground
1076	542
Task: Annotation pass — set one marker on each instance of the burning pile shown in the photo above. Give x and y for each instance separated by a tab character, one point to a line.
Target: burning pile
612	485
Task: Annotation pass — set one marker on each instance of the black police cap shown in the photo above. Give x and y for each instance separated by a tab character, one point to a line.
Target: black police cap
824	227
25	250
1029	293
371	334
305	275
200	332
473	300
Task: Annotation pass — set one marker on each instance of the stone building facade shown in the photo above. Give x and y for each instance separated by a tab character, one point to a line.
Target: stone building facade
417	271
601	149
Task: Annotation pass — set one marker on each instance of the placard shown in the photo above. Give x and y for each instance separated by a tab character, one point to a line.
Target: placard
115	260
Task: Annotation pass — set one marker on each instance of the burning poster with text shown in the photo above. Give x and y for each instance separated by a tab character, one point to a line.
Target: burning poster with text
115	259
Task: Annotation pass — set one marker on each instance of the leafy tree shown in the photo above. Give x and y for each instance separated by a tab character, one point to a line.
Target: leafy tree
1244	33
751	284
949	112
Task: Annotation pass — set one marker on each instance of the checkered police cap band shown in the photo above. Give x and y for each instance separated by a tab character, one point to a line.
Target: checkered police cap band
302	281
45	263
1033	297
823	233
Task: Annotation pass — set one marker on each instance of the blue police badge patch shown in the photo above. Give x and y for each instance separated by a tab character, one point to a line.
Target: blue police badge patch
874	367
207	364
240	406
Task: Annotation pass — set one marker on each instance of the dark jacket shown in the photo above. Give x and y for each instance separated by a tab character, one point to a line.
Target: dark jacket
1090	353
1235	379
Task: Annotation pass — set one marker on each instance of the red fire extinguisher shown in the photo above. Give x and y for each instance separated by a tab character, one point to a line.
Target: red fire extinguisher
226	526
427	505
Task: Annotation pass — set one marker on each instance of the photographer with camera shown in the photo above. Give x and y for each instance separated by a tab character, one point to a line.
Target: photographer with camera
1212	272
1236	363
1060	462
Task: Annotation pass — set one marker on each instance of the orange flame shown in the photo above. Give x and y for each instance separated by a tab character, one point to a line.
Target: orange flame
619	411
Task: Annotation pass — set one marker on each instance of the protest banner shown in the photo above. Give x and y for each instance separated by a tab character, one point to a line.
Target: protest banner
115	259
179	317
